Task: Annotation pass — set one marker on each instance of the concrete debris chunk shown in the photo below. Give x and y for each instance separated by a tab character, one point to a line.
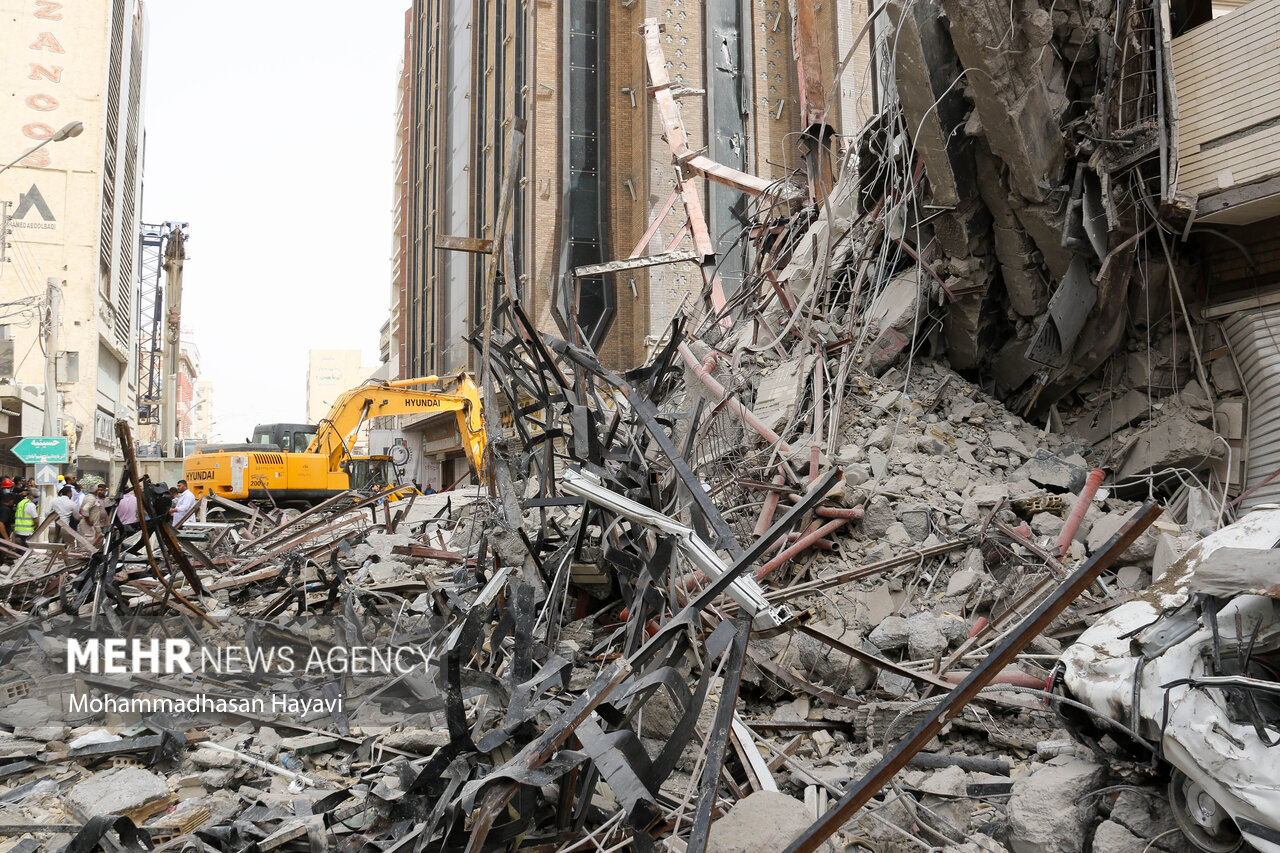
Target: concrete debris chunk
924	636
1141	551
892	634
1005	443
763	822
1111	837
1048	811
776	397
1174	444
896	313
1046	469
877	517
122	791
963	582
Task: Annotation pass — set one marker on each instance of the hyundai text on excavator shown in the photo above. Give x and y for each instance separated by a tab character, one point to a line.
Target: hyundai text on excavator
300	464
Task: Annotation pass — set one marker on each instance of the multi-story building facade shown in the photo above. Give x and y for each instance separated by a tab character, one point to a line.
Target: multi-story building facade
329	373
202	421
392	345
71	208
595	169
187	384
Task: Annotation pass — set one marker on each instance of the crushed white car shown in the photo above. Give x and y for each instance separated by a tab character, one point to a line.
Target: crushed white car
1192	670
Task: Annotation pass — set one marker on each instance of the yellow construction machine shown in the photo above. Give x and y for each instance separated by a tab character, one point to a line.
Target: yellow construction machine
300	464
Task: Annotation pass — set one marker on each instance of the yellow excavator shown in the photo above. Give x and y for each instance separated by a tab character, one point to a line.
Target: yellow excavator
303	465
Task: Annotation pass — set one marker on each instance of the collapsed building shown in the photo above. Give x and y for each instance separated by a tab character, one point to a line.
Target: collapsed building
853	558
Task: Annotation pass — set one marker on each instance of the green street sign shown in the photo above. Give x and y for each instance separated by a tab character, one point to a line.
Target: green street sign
39	449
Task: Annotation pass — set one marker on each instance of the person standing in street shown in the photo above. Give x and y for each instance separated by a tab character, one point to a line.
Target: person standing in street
8	512
93	514
182	503
65	506
77	491
28	511
127	513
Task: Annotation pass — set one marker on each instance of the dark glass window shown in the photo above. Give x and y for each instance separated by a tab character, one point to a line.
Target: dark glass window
584	153
584	16
584	199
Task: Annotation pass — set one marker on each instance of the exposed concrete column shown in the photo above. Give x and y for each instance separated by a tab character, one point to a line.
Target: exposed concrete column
1010	93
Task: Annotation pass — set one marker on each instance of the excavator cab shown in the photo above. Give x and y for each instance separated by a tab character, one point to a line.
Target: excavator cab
287	438
369	471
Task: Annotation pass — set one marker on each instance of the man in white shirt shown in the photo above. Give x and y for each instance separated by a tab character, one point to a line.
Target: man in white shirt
182	503
65	506
77	492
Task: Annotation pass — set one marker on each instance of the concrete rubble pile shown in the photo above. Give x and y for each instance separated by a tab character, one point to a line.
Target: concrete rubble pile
680	618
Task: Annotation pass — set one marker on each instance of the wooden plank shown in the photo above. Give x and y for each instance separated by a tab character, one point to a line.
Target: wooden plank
1231	55
1250	155
1233	59
1243	32
1250	160
1216	119
1260	9
1200	90
1251	18
1214	206
1208	183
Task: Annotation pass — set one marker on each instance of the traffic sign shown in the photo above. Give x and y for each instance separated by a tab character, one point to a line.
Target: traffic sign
46	475
38	449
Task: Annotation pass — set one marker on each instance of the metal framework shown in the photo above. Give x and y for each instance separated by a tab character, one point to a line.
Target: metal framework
152	242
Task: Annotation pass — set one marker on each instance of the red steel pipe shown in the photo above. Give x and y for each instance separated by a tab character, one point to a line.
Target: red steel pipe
851	513
1010	675
847	513
1069	529
821	544
801	545
730	400
770	507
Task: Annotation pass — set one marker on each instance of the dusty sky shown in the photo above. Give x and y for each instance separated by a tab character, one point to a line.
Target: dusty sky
270	129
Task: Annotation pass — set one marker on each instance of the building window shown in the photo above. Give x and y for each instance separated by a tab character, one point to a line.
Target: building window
104	428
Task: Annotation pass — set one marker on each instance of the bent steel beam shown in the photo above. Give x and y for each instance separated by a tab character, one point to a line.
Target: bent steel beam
744	590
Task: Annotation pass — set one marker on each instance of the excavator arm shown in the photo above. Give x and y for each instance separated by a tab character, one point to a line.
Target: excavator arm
378	398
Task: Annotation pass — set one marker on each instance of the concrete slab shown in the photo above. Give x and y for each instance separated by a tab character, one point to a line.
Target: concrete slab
122	791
